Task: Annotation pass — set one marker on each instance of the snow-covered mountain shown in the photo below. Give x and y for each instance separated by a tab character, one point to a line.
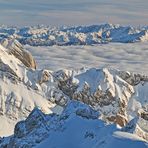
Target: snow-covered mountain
20	91
77	127
88	107
77	35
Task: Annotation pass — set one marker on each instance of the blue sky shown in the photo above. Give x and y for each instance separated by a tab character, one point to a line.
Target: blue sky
73	12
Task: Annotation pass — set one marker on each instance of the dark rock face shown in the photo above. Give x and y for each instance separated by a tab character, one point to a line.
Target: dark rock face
144	115
133	79
137	126
6	68
20	129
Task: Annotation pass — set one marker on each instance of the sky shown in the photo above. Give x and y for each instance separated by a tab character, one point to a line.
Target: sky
73	12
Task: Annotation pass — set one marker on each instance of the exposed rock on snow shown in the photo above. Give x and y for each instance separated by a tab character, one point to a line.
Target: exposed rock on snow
19	52
103	89
107	90
133	79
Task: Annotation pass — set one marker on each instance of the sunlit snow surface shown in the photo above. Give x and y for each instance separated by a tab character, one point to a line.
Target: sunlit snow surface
132	56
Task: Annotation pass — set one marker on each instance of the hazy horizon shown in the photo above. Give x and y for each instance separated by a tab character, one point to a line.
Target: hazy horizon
78	12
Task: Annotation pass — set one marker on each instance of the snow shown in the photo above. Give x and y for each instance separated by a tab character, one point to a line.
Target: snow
14	64
141	93
79	132
35	90
19	106
17	97
74	137
93	78
122	140
71	129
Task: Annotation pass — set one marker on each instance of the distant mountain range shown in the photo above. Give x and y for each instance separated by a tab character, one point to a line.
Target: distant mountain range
76	35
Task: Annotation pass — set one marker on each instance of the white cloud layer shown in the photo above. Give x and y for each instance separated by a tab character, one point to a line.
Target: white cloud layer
131	57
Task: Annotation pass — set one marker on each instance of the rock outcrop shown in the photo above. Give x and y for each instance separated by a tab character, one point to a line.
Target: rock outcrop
106	90
16	49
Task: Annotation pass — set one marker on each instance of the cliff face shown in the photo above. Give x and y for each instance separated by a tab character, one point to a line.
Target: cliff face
16	49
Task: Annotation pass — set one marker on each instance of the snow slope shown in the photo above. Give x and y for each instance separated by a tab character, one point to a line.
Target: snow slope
76	35
93	133
20	91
